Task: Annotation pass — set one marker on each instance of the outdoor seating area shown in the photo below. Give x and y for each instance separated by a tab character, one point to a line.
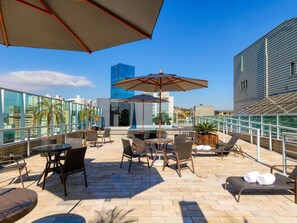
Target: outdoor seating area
153	194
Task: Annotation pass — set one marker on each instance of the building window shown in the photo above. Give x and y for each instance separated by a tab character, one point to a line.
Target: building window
243	85
292	68
241	64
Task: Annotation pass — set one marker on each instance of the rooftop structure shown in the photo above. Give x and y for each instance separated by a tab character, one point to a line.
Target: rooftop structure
117	73
267	67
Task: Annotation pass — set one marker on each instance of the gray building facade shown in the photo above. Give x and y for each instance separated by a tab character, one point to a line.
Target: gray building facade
267	67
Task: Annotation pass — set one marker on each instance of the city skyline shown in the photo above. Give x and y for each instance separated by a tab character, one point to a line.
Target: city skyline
198	39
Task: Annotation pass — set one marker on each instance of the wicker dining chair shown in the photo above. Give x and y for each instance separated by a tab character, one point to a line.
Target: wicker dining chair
181	154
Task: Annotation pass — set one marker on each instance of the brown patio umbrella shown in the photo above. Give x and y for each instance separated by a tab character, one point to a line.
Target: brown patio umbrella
161	83
144	98
79	25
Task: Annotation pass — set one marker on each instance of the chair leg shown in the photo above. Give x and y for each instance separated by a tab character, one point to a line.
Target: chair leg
239	193
147	159
130	165
27	173
85	175
21	177
122	160
44	178
192	164
139	160
64	184
178	168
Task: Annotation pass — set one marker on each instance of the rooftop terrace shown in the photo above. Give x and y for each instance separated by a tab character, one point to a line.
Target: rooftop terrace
153	195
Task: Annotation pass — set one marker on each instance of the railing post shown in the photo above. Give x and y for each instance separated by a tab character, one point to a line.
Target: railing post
65	132
258	145
250	131
239	123
224	139
262	126
218	126
270	139
277	129
28	141
284	153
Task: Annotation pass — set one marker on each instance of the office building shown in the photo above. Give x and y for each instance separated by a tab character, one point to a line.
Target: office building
166	107
118	73
124	113
266	68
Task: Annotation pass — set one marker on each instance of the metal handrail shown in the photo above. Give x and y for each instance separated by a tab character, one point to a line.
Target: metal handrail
63	129
284	151
225	130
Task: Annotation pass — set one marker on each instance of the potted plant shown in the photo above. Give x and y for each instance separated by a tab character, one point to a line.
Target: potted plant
205	134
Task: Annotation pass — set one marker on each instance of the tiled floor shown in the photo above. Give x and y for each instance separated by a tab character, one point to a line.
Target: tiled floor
153	195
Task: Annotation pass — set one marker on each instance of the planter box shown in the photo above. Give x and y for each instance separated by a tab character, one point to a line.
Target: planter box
211	140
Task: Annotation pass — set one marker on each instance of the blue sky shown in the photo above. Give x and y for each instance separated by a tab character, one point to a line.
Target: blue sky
193	38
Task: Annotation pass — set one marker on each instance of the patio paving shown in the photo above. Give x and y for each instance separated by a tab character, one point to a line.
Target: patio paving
153	195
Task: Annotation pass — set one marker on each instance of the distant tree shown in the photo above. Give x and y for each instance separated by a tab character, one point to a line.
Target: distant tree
89	113
48	110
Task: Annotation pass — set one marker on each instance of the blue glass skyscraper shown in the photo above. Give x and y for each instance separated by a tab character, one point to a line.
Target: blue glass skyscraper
119	72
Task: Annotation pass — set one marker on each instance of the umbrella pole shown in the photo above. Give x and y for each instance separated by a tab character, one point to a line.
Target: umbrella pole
143	115
160	118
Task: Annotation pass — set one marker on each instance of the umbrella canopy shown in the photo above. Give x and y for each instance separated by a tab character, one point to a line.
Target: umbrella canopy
144	98
161	83
79	25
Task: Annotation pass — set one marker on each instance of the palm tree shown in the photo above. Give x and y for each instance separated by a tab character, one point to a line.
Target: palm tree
49	110
90	114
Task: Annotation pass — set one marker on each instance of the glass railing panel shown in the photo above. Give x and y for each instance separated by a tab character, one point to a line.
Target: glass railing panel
272	120
12	113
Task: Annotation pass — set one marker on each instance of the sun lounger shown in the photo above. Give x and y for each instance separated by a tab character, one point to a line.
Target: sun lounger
224	148
281	183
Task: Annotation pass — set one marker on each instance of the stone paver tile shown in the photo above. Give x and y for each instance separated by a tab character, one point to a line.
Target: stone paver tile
223	207
285	219
214	213
178	220
206	220
287	213
230	219
260	219
265	213
164	213
239	213
161	202
151	219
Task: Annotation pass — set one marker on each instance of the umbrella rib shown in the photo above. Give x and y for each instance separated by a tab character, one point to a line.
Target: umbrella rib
201	85
120	19
34	6
174	82
66	27
3	28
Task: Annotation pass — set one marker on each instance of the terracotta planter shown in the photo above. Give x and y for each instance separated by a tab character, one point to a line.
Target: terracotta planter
211	139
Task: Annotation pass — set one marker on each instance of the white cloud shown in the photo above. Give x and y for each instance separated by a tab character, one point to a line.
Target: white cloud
41	80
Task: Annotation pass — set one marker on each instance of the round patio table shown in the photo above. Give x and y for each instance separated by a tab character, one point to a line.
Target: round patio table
159	149
48	150
15	203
